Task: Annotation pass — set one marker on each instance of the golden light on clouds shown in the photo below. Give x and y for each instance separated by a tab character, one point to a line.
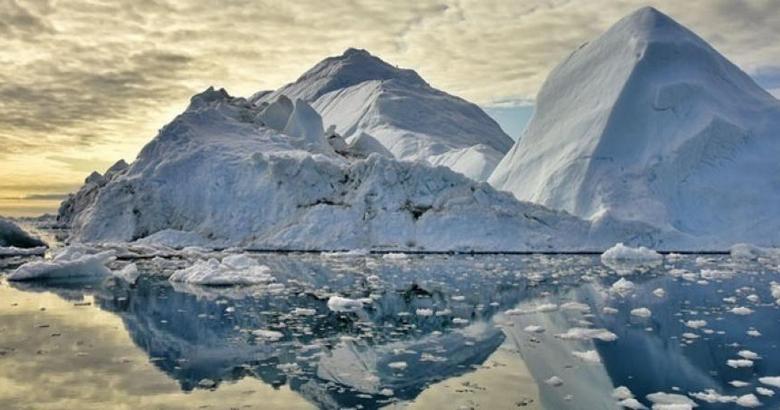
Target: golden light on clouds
85	83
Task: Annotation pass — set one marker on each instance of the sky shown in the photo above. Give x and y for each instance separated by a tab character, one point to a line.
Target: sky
84	83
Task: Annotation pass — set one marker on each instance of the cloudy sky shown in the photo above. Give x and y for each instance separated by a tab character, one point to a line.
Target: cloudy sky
86	82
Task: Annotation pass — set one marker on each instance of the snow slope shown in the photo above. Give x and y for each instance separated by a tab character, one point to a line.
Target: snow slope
360	94
219	173
649	123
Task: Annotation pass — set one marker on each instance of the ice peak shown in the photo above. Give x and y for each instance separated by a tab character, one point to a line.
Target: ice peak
209	95
651	24
352	67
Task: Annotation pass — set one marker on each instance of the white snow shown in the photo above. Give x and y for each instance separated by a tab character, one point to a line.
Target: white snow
589	356
649	123
268	335
74	261
14	251
236	269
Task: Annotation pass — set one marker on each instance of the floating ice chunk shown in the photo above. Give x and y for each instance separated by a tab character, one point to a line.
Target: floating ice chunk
233	270
632	403
609	310
739	363
395	256
11	235
554	381
773	381
765	392
641	312
622	287
348	254
753	333
590	356
424	312
622	253
748	400
659	292
739	383
741	310
397	365
268	335
622	392
711	396
341	304
747	354
690	336
581	333
69	262
696	324
460	321
129	273
14	251
663	400
304	312
575	306
533	329
547	307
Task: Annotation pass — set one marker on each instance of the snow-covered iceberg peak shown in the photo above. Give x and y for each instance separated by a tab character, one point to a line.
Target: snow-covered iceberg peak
649	123
360	95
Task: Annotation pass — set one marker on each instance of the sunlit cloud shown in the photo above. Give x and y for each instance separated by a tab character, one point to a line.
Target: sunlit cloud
94	80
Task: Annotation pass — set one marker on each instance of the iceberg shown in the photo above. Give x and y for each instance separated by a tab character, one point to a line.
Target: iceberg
70	262
219	175
649	123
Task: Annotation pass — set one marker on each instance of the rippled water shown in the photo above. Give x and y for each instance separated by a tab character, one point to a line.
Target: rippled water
440	332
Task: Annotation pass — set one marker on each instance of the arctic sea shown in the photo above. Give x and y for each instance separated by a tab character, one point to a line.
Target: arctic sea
428	331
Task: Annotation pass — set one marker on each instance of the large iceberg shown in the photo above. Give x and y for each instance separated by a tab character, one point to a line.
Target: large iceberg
227	172
649	123
363	96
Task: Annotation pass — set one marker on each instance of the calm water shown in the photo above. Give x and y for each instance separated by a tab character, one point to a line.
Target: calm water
441	332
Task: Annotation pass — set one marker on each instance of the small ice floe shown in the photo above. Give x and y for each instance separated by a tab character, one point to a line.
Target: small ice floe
609	310
267	335
70	262
773	381
395	256
659	292
533	329
748	400
400	366
625	259
129	273
207	384
554	381
575	306
347	254
739	383
341	304
238	269
670	401
696	324
739	363
622	287
460	321
747	354
632	403
424	312
622	392
589	356
765	392
304	312
711	396
6	251
581	333
741	310
753	333
641	312
690	336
